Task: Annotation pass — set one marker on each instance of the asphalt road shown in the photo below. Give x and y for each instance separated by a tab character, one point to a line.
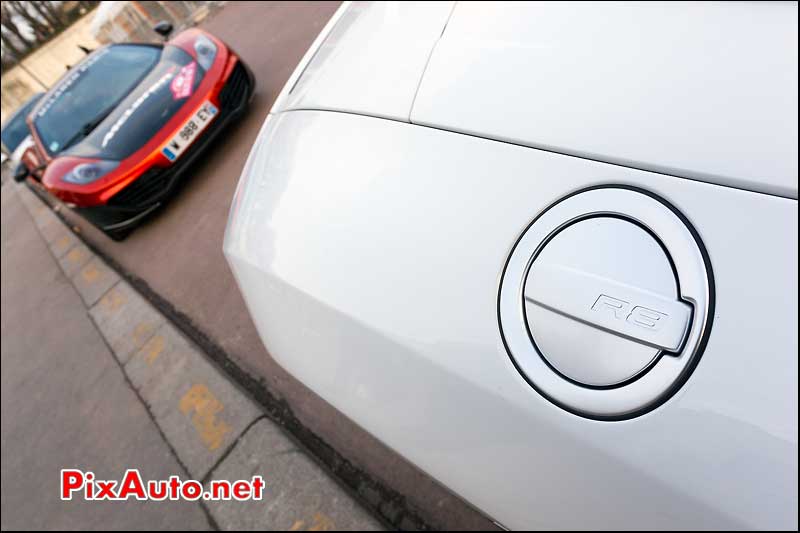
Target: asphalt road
178	252
65	402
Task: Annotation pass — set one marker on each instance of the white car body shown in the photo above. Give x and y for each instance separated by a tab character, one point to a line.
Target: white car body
16	155
401	165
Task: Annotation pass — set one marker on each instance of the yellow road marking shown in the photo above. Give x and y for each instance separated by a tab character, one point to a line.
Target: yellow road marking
205	407
143	329
113	300
90	273
75	255
322	523
153	349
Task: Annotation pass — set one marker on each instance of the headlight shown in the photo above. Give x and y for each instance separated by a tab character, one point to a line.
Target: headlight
89	172
206	51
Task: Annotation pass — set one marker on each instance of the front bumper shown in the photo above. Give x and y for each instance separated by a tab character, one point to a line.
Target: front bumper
150	190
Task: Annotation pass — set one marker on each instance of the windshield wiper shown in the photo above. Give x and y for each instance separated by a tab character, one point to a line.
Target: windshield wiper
86	129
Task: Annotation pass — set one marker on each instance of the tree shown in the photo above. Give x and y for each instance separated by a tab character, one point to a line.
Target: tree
10	47
7	21
52	21
55	12
40	30
41	18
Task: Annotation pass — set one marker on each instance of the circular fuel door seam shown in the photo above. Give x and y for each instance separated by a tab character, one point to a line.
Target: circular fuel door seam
606	302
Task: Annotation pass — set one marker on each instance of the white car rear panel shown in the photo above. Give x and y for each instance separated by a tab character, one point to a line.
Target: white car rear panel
371	61
370	253
701	90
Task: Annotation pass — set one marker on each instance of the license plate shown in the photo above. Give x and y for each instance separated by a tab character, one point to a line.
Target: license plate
189	131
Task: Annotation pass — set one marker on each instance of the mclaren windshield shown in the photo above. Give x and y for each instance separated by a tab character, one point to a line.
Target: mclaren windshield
89	92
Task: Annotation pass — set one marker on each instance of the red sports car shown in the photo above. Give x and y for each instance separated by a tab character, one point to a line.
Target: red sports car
114	135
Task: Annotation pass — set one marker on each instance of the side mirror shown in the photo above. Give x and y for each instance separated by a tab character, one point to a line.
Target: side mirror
21	172
163	28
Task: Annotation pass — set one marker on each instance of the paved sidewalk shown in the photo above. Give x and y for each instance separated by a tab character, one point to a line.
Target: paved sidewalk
95	378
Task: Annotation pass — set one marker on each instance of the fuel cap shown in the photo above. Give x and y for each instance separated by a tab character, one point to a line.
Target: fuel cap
604	302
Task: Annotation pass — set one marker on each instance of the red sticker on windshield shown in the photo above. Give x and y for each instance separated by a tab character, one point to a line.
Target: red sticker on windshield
183	81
